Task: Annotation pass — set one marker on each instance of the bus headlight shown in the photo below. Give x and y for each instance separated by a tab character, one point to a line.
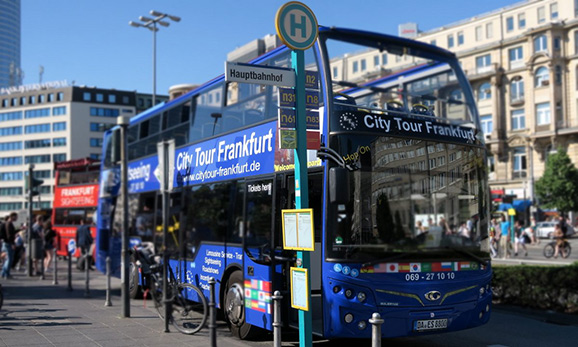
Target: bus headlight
361	325
348	318
349	293
361	296
336	289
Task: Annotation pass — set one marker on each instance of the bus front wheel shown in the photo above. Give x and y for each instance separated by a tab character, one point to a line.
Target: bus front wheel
234	308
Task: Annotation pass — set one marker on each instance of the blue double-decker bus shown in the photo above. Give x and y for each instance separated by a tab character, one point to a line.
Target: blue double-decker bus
397	181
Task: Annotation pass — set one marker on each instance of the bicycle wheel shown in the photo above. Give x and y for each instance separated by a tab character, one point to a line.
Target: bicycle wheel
156	291
566	250
549	250
189	309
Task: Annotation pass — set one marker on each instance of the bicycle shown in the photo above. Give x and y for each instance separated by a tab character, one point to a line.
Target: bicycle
188	308
564	249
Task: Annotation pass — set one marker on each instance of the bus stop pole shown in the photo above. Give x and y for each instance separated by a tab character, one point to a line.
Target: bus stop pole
301	182
124	121
163	161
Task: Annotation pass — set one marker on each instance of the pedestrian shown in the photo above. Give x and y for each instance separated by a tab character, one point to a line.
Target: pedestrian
520	240
19	251
49	236
9	236
84	241
505	244
37	238
494	238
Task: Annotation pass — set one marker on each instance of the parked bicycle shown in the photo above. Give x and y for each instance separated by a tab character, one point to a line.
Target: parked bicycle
188	308
564	250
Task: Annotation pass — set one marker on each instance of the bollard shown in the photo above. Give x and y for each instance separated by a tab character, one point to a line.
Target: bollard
107	302
42	269
376	323
69	272
55	268
212	313
277	324
87	276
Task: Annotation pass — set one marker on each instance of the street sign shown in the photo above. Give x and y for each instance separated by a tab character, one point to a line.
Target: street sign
296	25
71	246
259	74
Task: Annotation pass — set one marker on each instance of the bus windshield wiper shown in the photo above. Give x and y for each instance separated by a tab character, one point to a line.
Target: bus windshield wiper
469	254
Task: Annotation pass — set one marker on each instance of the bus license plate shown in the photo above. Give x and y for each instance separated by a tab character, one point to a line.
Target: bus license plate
430	324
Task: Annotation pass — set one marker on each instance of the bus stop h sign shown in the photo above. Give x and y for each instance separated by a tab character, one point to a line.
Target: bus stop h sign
296	25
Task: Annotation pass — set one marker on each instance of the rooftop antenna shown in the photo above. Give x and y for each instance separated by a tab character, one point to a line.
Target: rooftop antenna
40	73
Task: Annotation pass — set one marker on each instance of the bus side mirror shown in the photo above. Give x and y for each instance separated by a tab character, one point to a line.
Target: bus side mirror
339	185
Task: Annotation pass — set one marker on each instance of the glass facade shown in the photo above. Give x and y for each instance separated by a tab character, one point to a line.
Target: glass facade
10	43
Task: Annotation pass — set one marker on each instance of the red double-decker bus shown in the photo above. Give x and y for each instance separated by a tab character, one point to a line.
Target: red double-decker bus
75	198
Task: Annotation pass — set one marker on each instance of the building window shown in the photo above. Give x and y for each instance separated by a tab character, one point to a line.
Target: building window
479	34
56	158
489	30
99	97
59	111
86	96
10	161
543	114
460	38
557	41
42	143
363	65
519	164
376	60
541	77
554	11
41	98
485	91
22	101
37	113
484	63
487	124
50	97
509	24
111	98
10	146
37	159
59	142
59	96
104	112
37	128
384	59
11	176
101	126
125	100
6	116
96	142
60	126
450	41
521	21
541	15
518	120
8	131
31	100
354	69
335	70
516	57
433	42
517	90
540	44
6	191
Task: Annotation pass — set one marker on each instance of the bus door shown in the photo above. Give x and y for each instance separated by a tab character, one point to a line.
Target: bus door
257	262
315	182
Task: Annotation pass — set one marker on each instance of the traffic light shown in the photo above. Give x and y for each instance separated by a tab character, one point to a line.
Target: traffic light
32	184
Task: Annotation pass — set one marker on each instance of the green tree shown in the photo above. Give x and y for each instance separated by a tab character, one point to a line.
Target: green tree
558	187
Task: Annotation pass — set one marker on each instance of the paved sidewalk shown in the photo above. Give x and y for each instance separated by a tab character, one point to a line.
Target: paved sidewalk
36	312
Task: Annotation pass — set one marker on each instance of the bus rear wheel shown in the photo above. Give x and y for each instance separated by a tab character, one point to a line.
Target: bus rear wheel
234	308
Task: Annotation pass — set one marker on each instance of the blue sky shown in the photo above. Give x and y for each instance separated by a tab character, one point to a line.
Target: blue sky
91	43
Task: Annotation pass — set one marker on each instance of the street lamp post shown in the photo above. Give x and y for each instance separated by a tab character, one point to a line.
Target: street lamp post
151	24
123	122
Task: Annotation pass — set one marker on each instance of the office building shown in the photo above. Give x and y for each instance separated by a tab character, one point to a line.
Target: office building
10	72
41	124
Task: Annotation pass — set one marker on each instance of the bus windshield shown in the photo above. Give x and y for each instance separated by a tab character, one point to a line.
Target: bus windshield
404	121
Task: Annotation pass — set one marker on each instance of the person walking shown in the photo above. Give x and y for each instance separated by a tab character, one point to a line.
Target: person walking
84	241
37	238
505	244
520	240
9	235
49	236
